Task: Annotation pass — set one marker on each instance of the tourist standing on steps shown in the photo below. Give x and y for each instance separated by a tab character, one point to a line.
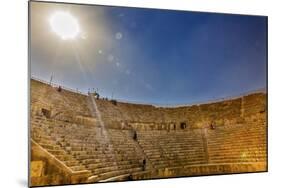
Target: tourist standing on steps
59	89
212	126
135	135
144	164
130	177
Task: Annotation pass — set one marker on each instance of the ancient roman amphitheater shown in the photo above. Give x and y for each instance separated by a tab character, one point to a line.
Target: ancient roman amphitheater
78	138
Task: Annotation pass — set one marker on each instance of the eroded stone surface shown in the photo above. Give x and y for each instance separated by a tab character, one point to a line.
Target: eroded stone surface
37	168
70	145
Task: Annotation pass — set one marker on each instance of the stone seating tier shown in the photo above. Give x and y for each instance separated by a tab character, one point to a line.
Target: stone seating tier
66	125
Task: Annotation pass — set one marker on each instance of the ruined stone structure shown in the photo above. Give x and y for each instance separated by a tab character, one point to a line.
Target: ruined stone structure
76	138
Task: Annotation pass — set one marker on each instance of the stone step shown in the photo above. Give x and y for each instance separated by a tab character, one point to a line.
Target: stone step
110	157
65	157
72	163
218	161
106	169
176	150
57	152
122	177
111	163
107	175
215	153
177	157
78	168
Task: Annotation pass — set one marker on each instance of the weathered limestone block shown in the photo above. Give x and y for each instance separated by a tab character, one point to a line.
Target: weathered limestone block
48	170
85	120
37	168
71	136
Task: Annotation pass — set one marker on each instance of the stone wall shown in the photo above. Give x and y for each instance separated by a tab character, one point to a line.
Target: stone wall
145	117
45	169
199	170
75	107
63	104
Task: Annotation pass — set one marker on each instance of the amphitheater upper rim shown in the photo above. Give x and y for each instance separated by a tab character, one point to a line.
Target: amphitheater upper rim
257	91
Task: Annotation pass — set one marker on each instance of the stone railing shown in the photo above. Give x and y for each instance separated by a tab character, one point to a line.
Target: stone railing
52	171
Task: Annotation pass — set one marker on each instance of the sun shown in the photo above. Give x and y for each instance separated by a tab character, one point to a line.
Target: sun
64	25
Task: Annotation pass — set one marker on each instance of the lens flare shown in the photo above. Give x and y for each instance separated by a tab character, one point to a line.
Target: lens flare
64	25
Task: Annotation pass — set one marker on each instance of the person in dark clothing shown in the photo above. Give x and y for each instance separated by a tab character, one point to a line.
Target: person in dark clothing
143	164
59	89
135	136
130	177
212	126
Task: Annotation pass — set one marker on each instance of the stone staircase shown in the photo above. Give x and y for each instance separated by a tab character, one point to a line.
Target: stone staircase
166	149
43	135
109	153
237	144
87	148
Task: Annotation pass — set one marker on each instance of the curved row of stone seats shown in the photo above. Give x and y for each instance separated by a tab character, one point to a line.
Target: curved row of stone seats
78	104
63	101
237	144
149	113
254	104
226	112
129	112
110	111
41	134
105	153
169	149
137	112
199	170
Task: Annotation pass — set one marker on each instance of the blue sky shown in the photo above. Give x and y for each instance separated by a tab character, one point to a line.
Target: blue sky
152	56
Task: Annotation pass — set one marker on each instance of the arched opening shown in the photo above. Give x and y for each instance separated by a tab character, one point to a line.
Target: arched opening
46	112
183	125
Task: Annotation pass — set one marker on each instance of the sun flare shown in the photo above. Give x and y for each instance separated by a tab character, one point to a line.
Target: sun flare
64	25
